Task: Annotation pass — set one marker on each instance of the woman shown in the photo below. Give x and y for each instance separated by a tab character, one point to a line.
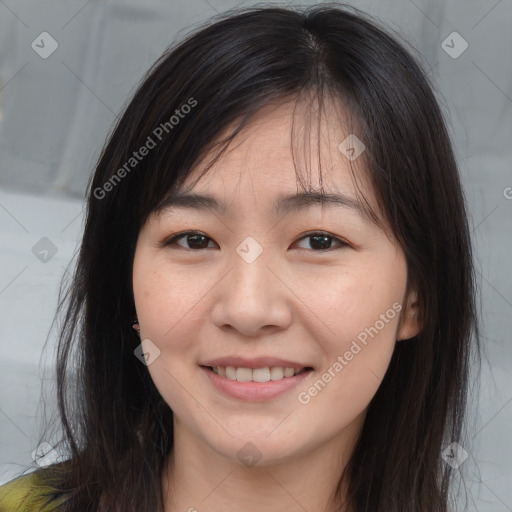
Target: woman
248	344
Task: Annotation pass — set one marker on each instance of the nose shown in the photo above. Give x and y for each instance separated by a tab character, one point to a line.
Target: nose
254	297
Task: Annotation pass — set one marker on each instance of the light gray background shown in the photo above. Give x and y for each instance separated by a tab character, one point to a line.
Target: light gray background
55	114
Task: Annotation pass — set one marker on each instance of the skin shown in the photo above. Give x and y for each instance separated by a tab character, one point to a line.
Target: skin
294	301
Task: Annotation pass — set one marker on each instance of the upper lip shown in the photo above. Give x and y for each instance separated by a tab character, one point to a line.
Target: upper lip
256	362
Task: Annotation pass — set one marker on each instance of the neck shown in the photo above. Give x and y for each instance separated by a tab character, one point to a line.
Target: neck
198	478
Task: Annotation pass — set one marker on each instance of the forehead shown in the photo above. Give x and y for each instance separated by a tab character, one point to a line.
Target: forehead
261	164
280	138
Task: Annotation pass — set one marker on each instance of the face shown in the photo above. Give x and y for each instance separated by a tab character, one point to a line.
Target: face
314	287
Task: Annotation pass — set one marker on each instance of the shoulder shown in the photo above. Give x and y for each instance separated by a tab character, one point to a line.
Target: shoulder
27	493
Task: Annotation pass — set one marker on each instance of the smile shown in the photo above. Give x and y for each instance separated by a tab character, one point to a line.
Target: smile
243	384
264	374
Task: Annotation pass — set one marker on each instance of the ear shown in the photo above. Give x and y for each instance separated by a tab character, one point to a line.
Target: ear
409	325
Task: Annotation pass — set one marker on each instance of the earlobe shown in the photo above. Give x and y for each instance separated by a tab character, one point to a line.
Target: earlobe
135	326
409	325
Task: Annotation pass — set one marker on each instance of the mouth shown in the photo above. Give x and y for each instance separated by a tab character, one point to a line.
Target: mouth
262	374
255	384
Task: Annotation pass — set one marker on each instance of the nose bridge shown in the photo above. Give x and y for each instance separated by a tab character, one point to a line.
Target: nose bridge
250	269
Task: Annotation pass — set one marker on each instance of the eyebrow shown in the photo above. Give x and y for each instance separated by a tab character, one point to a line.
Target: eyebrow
283	205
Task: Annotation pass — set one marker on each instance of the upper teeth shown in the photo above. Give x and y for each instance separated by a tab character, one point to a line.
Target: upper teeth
257	374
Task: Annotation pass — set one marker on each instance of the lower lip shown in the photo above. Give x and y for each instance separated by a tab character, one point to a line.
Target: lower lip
254	391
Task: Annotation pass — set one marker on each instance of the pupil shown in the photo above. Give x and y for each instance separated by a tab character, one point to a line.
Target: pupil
196	237
325	240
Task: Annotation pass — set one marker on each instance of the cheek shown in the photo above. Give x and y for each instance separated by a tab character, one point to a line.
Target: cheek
165	307
163	297
352	300
362	315
170	306
358	313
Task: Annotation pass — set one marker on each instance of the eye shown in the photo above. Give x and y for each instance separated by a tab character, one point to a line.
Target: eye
195	240
322	241
319	241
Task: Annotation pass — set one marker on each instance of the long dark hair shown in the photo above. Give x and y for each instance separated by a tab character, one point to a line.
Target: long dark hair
116	427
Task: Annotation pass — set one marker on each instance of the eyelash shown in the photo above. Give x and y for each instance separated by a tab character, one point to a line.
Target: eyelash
173	239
